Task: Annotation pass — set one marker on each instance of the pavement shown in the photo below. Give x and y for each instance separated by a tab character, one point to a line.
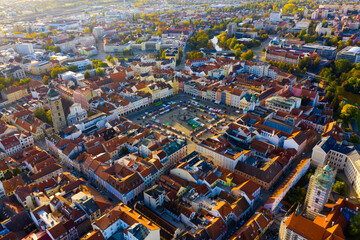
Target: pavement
231	112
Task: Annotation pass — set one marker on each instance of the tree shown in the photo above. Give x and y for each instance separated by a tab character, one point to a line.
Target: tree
40	114
296	195
340	187
194	54
288	8
304	63
25	81
73	68
48	116
349	112
56	70
342	66
87	30
349	42
88	67
248	55
99	72
354	225
87	74
354	139
324	23
45	79
16	171
55	49
90	113
178	61
163	55
238	53
315	64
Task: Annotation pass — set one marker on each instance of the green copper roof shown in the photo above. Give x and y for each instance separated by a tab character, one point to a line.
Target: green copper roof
327	168
253	97
52	92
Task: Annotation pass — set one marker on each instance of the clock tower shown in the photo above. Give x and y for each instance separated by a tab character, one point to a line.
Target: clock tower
56	108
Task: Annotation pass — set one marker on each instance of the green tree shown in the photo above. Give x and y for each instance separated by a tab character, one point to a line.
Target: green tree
354	139
55	49
324	23
194	55
16	171
73	68
304	100
56	70
163	55
316	63
90	113
48	116
88	67
25	81
249	55
289	8
304	63
341	66
40	114
349	112
354	225
340	187
99	72
45	79
108	57
87	74
238	53
349	42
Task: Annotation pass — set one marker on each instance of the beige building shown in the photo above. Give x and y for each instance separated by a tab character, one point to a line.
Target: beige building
39	68
14	93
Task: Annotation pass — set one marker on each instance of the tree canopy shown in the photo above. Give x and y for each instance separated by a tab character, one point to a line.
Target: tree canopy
56	70
349	112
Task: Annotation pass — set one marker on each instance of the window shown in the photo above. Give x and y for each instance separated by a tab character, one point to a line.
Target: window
318	193
316	200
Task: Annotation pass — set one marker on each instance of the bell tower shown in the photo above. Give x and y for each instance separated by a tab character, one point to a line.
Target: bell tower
56	108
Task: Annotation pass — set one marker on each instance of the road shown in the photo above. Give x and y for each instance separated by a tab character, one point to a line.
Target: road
259	55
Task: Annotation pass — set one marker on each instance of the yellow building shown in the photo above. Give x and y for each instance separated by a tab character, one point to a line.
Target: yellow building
175	86
36	131
172	53
14	93
38	68
228	93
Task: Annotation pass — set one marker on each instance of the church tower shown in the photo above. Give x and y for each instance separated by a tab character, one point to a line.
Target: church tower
56	108
252	103
319	189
